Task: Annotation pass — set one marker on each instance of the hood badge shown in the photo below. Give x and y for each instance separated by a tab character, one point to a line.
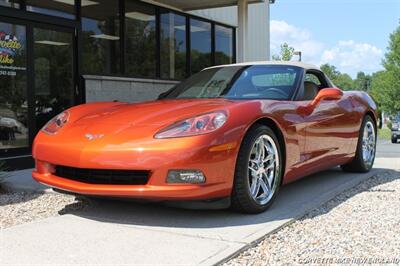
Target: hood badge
94	136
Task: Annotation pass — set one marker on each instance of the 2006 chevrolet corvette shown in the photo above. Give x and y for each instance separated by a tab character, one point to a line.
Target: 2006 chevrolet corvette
229	135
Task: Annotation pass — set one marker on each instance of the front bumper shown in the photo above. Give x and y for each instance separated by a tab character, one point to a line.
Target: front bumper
158	192
217	162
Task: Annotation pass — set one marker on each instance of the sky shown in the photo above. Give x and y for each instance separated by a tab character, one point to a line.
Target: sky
352	35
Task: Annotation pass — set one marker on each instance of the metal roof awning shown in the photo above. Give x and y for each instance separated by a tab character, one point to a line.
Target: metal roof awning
187	5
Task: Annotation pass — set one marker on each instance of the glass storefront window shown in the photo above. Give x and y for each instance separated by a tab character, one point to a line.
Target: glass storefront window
53	62
140	35
57	8
10	3
200	43
100	37
173	46
223	45
13	87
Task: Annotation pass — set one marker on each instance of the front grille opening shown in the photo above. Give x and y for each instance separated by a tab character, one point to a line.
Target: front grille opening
103	176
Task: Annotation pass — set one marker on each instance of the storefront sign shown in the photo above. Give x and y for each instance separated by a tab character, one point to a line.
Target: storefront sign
10	47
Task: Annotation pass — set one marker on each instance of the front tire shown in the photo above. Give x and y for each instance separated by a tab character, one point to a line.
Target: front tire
366	148
394	140
258	171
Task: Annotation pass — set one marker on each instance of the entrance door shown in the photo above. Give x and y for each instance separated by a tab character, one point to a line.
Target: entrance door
53	64
14	124
37	80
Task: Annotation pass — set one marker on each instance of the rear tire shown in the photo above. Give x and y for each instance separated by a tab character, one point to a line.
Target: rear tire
258	171
366	148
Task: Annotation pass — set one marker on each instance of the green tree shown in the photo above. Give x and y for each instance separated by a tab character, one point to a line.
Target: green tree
341	80
381	90
362	81
330	71
385	85
285	54
344	82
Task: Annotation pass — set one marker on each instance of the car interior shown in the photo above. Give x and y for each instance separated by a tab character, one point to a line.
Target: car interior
314	81
310	90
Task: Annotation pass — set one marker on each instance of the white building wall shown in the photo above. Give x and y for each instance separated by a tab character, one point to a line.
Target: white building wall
258	31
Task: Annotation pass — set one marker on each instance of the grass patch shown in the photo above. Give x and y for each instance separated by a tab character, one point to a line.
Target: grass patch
384	133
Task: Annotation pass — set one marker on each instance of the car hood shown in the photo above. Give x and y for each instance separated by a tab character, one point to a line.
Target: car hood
157	113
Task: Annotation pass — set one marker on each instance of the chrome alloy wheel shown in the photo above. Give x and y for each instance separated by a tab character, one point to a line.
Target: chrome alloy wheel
263	169
368	143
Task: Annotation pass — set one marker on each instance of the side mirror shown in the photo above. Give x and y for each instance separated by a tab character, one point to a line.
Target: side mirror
323	94
327	94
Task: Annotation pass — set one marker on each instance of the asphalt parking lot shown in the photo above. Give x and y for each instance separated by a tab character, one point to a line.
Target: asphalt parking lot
115	232
386	149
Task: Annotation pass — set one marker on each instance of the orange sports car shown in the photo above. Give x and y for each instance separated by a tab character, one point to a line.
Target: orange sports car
227	136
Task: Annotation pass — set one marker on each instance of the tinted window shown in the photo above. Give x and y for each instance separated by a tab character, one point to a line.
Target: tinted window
240	82
223	45
8	3
60	8
140	32
54	88
200	43
100	35
173	46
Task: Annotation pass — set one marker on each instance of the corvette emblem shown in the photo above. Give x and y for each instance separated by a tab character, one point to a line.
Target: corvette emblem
94	136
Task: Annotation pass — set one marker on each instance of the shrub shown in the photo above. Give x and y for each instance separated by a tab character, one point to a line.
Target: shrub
389	124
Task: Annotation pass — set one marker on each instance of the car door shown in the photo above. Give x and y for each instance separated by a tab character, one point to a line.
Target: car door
328	126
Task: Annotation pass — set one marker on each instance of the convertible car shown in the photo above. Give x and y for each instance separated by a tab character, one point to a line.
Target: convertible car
227	136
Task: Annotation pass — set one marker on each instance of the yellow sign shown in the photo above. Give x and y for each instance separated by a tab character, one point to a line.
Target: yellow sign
9	46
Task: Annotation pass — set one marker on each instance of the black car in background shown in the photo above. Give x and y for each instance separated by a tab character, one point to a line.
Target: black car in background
396	129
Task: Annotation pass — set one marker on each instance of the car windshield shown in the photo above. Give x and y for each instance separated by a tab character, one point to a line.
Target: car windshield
277	82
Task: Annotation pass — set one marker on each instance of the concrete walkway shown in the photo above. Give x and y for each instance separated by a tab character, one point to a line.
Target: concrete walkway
22	180
112	232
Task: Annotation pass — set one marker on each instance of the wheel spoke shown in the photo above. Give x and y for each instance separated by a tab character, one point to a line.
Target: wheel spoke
268	157
269	180
255	187
253	171
253	162
265	187
270	165
260	150
371	138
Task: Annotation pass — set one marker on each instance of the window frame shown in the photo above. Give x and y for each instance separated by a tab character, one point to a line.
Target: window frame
76	24
158	11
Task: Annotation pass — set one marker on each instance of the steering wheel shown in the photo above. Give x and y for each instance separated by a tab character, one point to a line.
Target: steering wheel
278	91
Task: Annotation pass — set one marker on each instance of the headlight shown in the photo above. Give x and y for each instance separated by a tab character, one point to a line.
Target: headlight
194	126
56	123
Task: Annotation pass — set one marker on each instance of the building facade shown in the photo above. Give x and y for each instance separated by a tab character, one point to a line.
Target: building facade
59	53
